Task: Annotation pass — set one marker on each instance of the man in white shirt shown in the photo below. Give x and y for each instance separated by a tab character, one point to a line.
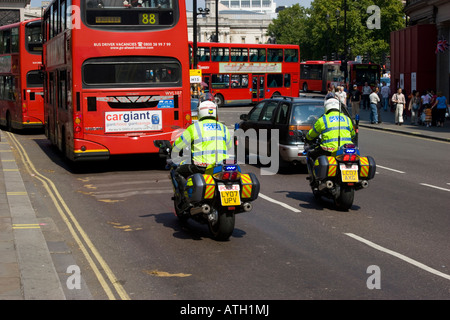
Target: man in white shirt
374	99
400	102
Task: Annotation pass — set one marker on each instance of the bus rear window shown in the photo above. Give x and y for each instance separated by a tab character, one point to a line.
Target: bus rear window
130	12
132	71
33	37
34	79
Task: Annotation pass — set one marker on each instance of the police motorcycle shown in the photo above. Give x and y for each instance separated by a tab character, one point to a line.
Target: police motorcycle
210	196
339	175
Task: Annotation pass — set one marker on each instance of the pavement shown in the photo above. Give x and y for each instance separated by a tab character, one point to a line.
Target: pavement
388	124
34	257
33	266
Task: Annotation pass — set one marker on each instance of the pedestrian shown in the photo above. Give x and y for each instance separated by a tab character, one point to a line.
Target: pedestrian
441	109
385	93
433	110
342	95
374	99
355	99
428	116
414	106
426	97
399	101
379	105
366	91
330	92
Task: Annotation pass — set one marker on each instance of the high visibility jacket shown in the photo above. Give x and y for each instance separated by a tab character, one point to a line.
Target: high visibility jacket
208	140
332	126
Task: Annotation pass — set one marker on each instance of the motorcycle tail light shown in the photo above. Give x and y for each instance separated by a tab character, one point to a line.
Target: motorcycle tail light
347	157
235	175
228	175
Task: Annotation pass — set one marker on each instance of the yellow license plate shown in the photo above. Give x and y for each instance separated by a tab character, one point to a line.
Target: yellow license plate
229	195
349	174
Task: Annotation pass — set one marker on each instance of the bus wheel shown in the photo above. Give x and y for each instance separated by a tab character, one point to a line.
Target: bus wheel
276	94
218	99
305	87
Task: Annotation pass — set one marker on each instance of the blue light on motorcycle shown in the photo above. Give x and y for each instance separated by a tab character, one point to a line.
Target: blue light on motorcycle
230	168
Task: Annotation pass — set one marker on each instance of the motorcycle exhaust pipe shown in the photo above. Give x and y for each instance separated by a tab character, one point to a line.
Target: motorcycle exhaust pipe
204	208
364	183
247	206
328	184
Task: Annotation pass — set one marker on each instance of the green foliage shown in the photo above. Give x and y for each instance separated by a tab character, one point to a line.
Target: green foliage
319	30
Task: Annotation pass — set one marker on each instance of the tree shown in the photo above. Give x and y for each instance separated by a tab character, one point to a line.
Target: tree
290	26
319	30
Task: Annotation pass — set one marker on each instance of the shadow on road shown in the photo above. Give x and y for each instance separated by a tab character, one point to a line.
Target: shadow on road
187	230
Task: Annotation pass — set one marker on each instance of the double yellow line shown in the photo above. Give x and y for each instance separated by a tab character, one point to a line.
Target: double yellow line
87	247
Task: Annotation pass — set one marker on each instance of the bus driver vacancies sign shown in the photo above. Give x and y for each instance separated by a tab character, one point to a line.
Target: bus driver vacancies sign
132	121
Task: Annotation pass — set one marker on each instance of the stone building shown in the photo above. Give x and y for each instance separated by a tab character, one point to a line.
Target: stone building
239	21
12	11
435	14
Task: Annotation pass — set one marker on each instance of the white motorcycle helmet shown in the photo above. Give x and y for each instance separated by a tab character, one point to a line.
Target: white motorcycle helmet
207	109
331	104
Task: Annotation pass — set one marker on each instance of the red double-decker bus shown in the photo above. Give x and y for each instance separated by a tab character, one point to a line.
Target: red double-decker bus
247	73
116	75
21	93
319	75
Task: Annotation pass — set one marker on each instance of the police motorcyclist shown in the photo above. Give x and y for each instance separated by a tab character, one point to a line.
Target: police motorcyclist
336	130
207	139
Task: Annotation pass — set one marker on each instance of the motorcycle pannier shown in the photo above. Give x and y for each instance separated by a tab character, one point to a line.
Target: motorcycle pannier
368	167
249	187
324	167
200	187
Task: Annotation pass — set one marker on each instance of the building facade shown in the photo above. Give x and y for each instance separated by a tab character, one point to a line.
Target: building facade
432	17
12	11
238	21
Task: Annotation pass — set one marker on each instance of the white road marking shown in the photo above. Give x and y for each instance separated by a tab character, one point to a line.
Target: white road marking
400	256
431	186
279	203
386	168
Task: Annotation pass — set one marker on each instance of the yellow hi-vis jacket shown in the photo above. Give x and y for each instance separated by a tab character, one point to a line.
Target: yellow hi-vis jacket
331	126
208	139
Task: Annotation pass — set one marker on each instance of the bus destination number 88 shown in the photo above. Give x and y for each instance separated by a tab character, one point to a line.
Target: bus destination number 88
148	18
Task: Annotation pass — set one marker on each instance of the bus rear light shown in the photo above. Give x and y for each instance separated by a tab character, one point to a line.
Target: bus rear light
77	124
24	108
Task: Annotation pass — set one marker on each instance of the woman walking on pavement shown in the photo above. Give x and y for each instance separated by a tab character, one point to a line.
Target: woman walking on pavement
441	108
414	106
399	100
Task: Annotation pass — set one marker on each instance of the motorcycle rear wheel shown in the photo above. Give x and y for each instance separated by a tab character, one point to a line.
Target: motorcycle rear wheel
345	199
183	216
224	226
